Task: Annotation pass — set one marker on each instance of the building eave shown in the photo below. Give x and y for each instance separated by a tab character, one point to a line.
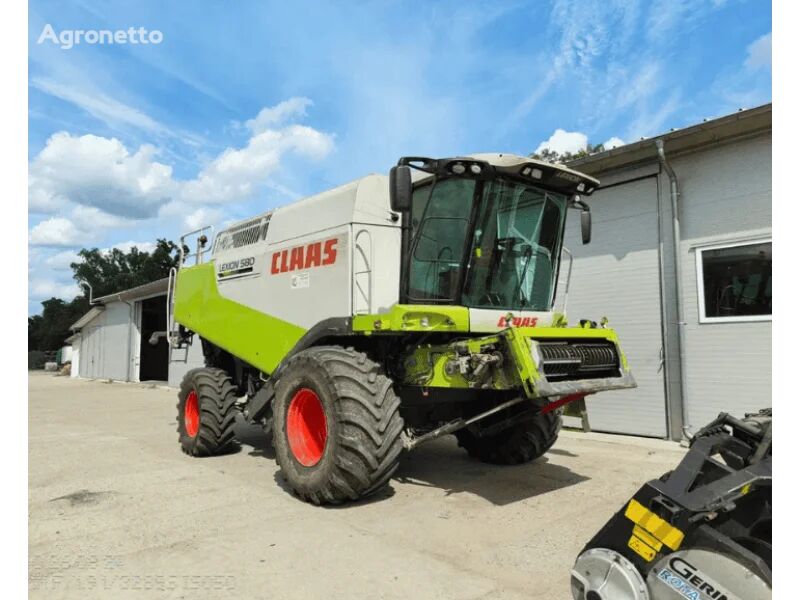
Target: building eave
741	124
87	318
154	288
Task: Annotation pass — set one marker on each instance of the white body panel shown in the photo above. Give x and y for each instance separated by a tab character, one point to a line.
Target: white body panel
279	263
489	320
334	254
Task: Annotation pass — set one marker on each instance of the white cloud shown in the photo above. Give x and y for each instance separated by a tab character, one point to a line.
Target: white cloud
108	185
56	231
279	114
649	122
564	141
613	142
40	289
43	199
235	174
100	106
667	18
91	218
126	246
592	52
637	86
759	53
98	172
201	217
61	260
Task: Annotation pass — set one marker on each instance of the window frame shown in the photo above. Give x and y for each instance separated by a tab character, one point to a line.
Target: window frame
701	292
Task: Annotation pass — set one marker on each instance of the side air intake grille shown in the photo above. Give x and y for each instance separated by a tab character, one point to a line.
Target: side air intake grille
242	234
579	360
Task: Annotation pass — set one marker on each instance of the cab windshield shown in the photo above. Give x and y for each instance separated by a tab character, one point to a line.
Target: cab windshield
507	233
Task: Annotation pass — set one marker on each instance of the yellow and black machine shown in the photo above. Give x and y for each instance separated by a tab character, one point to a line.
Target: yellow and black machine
700	532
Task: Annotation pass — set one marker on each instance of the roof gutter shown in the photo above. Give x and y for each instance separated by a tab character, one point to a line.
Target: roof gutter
676	248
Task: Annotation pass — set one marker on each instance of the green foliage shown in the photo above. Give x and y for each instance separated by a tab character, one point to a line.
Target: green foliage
115	270
551	156
48	330
107	272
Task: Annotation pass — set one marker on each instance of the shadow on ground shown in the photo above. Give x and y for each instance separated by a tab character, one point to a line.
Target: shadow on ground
254	440
442	464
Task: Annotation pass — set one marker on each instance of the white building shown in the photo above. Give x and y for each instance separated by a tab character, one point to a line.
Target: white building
720	295
119	339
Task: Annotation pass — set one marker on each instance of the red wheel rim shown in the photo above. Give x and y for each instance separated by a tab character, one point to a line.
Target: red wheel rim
191	414
306	427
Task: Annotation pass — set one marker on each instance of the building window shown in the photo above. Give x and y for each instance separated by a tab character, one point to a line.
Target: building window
734	282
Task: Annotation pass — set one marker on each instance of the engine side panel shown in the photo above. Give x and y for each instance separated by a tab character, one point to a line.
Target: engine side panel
258	338
302	281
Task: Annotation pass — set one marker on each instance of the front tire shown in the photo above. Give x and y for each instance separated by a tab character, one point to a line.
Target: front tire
520	443
337	425
206	412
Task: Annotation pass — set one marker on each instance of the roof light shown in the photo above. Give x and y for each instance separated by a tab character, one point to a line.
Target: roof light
475	169
536	173
458	168
581	187
526	171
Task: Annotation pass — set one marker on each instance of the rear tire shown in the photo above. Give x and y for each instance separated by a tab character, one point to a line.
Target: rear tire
337	425
206	412
520	443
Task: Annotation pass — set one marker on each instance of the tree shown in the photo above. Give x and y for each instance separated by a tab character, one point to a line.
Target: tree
107	272
552	156
115	270
48	330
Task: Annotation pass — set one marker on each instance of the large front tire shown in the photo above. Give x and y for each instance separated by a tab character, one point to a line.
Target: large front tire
206	412
520	443
337	425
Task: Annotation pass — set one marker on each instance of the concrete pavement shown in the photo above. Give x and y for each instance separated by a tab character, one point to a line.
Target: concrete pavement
117	511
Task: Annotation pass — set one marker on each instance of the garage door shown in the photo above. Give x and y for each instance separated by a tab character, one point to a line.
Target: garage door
617	276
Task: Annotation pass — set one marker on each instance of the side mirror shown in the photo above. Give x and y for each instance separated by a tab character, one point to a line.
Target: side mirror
400	188
586	219
586	225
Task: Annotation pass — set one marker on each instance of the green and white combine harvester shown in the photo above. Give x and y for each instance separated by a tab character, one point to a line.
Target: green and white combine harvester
389	311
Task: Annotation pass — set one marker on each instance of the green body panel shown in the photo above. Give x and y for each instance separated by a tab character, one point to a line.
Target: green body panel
427	365
257	338
511	363
263	341
415	317
455	319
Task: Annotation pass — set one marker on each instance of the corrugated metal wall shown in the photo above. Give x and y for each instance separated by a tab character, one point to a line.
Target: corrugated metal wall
105	343
617	276
726	196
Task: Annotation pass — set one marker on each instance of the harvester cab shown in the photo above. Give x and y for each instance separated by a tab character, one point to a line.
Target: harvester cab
390	311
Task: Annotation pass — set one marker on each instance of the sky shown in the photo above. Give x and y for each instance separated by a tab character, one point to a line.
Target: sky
216	111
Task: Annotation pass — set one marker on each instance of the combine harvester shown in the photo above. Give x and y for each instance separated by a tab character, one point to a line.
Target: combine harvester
391	311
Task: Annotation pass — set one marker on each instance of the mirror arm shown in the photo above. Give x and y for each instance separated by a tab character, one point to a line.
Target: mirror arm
578	203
